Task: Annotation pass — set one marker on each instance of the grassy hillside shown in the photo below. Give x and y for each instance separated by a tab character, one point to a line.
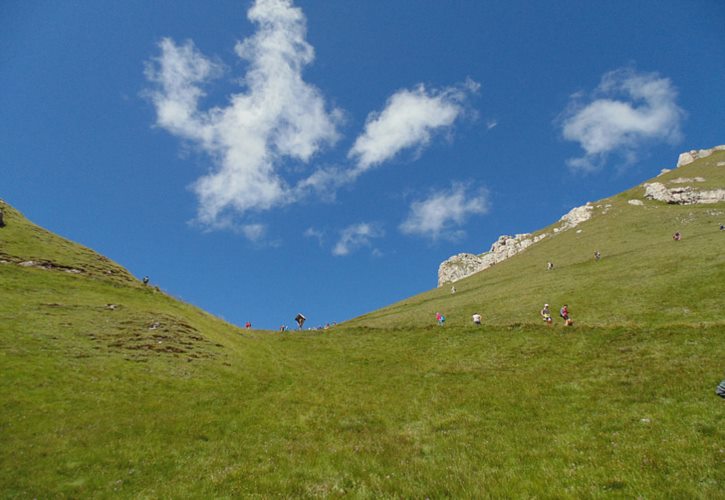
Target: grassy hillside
111	388
644	277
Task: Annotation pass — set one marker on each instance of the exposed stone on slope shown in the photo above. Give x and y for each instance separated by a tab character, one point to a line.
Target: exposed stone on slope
576	216
685	195
690	156
464	264
638	203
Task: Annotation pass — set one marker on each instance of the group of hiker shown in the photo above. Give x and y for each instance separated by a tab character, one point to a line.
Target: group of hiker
545	315
300	320
563	313
597	257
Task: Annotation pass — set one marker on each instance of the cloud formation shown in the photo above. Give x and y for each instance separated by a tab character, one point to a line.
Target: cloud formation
409	120
276	116
356	236
625	112
442	213
276	120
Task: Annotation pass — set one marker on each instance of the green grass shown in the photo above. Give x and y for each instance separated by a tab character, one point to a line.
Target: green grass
644	276
156	398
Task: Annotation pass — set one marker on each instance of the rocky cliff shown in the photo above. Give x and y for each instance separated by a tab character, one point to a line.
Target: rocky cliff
690	156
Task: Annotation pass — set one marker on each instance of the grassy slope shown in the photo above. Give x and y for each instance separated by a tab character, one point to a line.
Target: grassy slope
643	278
92	404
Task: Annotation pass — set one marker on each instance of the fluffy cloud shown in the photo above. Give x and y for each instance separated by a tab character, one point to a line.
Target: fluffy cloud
409	120
276	116
626	111
356	236
442	213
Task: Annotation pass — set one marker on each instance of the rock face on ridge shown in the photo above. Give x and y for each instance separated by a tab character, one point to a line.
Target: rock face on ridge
686	195
506	246
690	156
464	264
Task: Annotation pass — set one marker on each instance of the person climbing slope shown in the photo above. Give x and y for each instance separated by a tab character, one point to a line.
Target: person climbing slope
546	314
564	313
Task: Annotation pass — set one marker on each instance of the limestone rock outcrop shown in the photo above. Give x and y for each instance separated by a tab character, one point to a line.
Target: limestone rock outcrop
464	264
576	216
682	195
690	156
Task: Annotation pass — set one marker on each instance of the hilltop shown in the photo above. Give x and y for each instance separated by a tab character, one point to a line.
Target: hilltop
113	388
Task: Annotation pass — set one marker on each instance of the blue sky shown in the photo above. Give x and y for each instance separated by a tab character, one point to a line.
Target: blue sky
263	159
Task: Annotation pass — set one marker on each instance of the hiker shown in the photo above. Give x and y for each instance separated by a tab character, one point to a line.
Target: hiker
720	391
440	319
300	320
453	290
722	226
546	314
564	313
549	266
145	280
476	319
2	219
677	236
597	255
248	325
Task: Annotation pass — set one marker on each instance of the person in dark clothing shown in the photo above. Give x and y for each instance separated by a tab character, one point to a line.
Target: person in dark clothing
300	319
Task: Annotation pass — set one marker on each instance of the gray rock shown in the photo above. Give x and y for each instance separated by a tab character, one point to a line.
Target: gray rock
685	195
576	216
465	264
690	156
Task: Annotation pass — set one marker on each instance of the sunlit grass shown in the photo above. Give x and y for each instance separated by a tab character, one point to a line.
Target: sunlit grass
155	398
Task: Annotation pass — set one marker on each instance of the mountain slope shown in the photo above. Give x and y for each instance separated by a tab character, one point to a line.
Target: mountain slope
112	388
644	277
88	297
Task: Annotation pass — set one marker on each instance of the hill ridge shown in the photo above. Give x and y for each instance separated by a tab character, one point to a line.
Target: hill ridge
462	265
642	278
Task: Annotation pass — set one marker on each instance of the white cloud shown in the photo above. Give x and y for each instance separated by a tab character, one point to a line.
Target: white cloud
626	111
276	116
491	124
442	213
254	232
356	236
408	121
